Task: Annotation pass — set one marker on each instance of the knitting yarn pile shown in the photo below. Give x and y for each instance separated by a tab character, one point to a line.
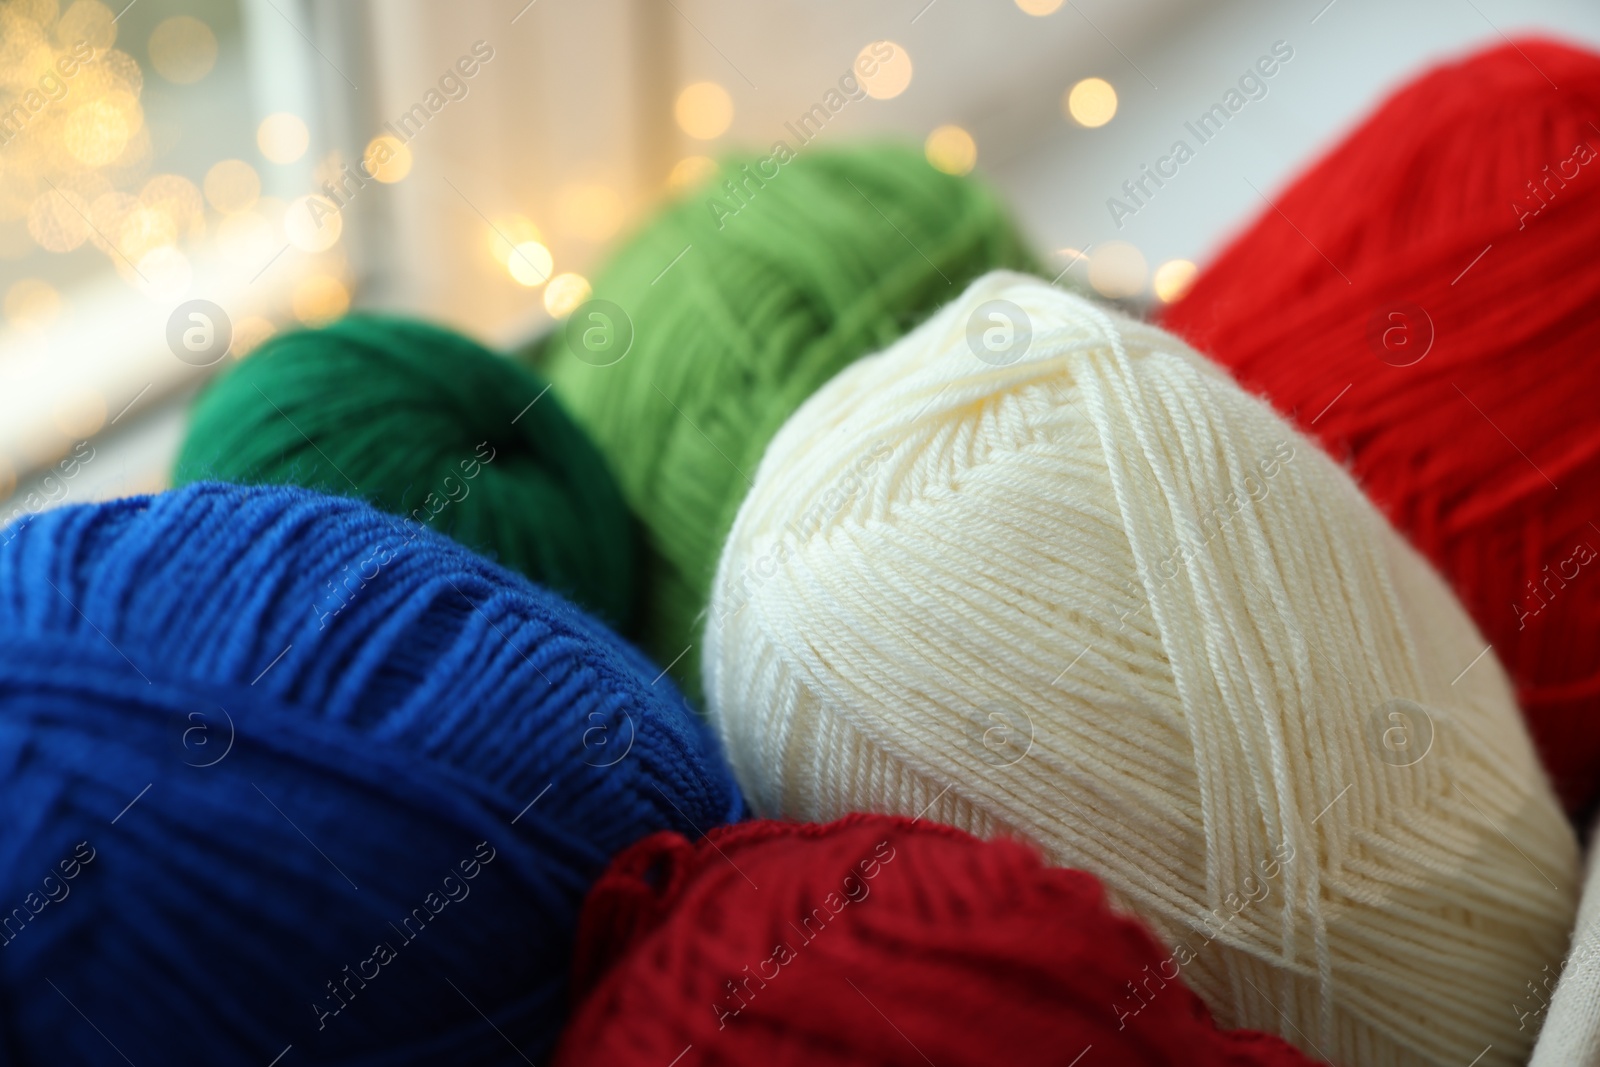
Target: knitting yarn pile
424	423
708	329
878	941
1112	702
254	806
1041	569
1423	300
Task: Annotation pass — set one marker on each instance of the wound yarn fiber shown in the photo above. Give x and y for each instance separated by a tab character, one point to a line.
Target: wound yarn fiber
1086	590
709	328
428	424
238	820
1450	355
875	940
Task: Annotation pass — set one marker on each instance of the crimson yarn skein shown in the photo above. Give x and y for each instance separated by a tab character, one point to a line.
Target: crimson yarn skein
1424	299
874	940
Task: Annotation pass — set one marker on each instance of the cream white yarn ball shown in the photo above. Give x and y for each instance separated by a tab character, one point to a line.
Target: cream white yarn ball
1039	569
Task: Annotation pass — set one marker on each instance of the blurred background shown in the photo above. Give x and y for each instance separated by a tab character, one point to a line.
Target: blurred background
162	152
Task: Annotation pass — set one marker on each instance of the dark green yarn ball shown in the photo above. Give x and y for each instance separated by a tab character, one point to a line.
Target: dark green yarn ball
425	423
725	312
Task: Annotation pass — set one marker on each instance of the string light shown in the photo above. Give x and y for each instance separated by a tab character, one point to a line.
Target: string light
530	264
884	69
81	414
32	305
387	158
313	223
177	198
592	212
1118	270
245	239
704	110
145	229
951	149
248	334
56	220
97	132
509	232
182	49
283	138
1092	102
89	21
690	172
318	299
232	186
106	215
1172	279
565	293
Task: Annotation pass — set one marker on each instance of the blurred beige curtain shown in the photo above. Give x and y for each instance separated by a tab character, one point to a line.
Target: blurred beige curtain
564	121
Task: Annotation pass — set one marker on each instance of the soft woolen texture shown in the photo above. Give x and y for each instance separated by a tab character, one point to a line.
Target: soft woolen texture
1091	592
271	788
1327	304
425	423
837	254
877	941
1562	1003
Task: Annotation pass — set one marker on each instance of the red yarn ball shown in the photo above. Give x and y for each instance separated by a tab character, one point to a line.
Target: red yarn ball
875	940
1426	300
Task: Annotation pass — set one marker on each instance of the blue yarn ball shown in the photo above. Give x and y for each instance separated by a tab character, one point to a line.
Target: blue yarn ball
279	769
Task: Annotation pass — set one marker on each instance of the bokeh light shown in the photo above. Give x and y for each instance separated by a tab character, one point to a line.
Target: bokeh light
313	223
889	66
106	215
183	49
387	158
704	110
89	21
1092	102
115	70
57	222
690	172
81	414
176	197
530	264
248	334
32	305
283	138
233	186
1172	279
508	233
96	132
319	299
272	209
164	273
145	229
592	212
246	239
565	293
1118	270
951	149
